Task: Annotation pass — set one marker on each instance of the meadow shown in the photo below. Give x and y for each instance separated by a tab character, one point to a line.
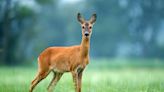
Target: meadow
100	76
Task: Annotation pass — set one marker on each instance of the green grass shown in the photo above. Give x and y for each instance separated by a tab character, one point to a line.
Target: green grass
98	77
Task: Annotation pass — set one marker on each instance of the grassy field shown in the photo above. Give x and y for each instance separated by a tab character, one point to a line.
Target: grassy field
100	76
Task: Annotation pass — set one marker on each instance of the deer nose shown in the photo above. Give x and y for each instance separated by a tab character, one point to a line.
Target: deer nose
86	33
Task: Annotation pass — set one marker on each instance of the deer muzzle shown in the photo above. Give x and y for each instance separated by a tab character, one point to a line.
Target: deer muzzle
86	33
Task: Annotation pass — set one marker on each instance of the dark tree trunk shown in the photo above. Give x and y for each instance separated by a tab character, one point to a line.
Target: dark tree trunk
7	35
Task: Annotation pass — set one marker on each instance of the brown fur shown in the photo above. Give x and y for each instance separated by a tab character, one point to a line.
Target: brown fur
65	59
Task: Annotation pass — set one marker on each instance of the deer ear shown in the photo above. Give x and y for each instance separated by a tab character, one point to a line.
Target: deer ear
93	18
80	18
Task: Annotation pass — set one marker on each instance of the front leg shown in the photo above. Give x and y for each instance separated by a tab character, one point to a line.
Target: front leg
80	73
77	78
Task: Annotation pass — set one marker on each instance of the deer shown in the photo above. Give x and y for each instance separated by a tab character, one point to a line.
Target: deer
72	59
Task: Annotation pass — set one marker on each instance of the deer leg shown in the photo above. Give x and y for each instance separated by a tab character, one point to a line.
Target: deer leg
79	80
54	76
75	80
38	78
54	81
77	77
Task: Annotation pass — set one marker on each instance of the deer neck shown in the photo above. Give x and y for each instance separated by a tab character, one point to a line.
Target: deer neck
85	45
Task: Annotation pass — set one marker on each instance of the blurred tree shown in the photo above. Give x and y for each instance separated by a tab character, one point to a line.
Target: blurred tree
13	24
145	17
129	22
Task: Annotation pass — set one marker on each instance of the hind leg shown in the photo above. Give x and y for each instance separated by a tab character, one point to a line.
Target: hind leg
54	76
38	78
54	81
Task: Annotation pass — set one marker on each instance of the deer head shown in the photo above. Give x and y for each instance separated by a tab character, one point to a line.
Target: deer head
86	25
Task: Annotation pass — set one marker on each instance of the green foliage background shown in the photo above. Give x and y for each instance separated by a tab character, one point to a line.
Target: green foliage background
124	28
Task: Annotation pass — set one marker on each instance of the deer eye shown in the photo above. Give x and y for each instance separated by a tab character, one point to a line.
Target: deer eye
90	27
83	27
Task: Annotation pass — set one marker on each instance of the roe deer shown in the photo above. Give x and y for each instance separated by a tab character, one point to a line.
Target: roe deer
66	59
